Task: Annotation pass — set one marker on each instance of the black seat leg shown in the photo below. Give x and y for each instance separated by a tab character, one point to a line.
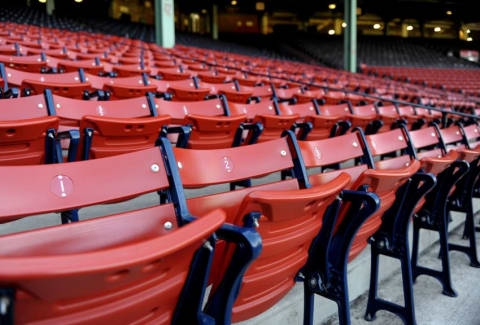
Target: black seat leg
416	238
446	278
407	282
373	290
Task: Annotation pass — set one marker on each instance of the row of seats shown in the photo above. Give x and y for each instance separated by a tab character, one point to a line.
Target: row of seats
302	218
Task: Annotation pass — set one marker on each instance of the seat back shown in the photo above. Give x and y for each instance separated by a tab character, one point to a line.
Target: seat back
178	110
472	133
236	96
213	132
71	90
129	70
16	77
364	110
389	110
123	268
89	66
302	110
29	64
123	91
107	136
71	111
24	108
252	110
188	94
28	141
451	135
406	110
331	110
291	214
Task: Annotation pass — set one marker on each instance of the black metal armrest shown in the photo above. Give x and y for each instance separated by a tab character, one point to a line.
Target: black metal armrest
74	137
254	131
304	129
183	131
248	245
255	99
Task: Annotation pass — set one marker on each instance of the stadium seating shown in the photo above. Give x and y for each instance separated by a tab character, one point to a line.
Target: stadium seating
359	156
385	182
292	214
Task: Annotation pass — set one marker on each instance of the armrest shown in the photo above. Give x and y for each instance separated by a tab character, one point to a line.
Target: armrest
382	180
254	132
255	99
340	128
436	165
331	247
74	137
183	131
304	127
11	93
284	205
248	245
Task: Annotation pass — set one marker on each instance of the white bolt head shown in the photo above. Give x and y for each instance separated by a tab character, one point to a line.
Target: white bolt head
155	168
355	144
179	164
168	225
283	153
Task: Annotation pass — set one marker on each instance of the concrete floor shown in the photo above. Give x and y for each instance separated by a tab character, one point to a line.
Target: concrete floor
432	308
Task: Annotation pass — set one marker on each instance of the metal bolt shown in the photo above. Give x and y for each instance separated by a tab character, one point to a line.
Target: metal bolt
311	108
400	138
218	106
381	244
208	246
155	168
313	282
255	223
58	105
4	303
433	134
144	106
168	225
283	153
355	144
180	165
40	105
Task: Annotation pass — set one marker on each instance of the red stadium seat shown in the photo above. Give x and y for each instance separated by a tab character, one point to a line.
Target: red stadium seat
107	136
28	141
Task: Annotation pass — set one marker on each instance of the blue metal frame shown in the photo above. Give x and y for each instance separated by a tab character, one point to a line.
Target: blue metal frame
151	104
392	240
49	102
248	247
325	272
145	79
226	109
